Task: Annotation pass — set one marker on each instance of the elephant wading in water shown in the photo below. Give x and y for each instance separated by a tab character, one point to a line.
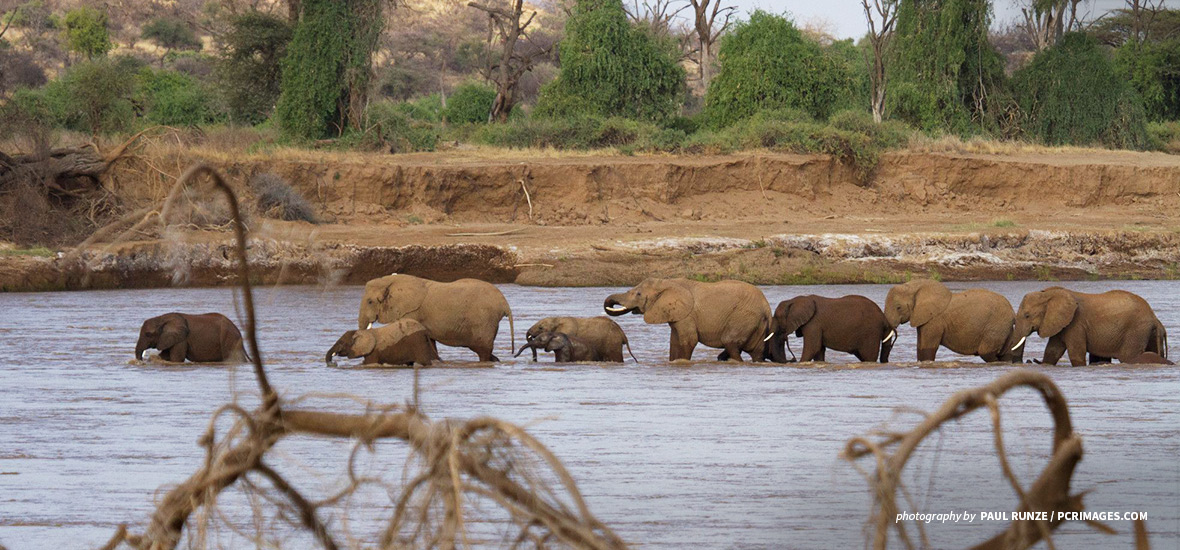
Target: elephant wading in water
972	322
402	342
465	313
600	333
731	315
1115	324
565	348
852	324
204	338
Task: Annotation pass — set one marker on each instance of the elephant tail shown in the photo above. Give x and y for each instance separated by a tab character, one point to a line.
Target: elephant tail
1161	339
629	352
511	326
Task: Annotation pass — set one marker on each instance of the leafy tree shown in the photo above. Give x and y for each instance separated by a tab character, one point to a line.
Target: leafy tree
86	32
1153	69
767	63
944	74
470	103
173	98
609	68
171	34
249	66
95	96
1071	94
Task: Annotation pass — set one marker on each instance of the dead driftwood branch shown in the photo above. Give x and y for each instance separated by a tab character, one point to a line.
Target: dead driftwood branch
463	467
492	234
1049	493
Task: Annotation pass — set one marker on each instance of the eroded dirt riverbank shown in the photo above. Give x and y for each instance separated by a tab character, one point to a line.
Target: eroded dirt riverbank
583	220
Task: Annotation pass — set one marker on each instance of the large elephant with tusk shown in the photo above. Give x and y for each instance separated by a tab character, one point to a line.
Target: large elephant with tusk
851	324
973	322
1115	324
465	313
731	315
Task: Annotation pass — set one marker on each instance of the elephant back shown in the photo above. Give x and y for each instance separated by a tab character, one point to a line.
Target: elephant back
396	331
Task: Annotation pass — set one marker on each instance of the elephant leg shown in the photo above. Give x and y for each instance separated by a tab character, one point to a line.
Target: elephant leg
990	357
928	341
822	354
1076	347
812	349
723	356
177	353
485	354
1053	351
734	351
682	344
868	351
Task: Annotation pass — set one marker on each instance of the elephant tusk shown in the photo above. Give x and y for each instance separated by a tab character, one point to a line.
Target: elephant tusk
616	308
892	334
1020	343
767	339
370	325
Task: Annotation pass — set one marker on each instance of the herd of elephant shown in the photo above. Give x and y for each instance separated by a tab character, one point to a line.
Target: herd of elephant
418	314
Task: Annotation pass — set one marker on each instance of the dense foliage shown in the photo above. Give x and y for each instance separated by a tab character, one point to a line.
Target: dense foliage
470	103
1071	94
767	63
172	98
943	72
249	65
611	68
86	32
1153	69
171	34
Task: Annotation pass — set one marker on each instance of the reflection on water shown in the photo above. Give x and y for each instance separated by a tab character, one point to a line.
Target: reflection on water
709	455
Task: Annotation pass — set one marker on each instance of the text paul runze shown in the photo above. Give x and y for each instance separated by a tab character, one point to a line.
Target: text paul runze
1069	516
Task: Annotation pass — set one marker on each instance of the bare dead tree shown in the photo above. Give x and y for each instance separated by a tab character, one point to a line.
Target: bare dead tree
1046	20
1143	14
657	14
881	16
514	60
706	14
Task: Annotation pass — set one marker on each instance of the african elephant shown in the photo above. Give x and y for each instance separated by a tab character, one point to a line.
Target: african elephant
972	322
565	348
852	324
203	338
465	313
402	342
601	333
1115	324
727	314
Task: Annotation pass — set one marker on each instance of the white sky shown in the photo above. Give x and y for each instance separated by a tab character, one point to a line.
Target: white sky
846	17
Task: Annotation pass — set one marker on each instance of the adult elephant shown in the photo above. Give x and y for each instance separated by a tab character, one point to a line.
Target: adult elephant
200	338
465	313
972	322
1115	324
851	324
601	333
731	315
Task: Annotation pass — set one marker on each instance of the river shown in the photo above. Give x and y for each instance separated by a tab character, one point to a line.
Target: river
703	456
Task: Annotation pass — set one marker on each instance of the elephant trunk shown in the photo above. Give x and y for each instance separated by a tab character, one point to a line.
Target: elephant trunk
614	307
526	345
1013	351
777	346
140	347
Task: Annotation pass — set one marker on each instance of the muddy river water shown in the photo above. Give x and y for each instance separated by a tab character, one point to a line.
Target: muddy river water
702	456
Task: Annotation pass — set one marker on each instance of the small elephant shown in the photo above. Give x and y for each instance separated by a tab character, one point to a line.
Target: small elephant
402	342
972	322
204	338
1115	324
1149	358
852	324
601	333
732	315
565	348
465	313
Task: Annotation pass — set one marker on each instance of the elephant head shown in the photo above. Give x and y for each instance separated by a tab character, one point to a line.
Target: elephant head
390	298
352	344
1046	311
161	333
659	300
537	340
916	302
548	324
791	315
557	340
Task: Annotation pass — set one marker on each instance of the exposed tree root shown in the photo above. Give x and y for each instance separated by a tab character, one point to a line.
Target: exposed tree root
458	469
1049	493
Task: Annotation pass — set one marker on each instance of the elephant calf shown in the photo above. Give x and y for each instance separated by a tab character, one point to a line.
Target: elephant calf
852	324
601	333
204	338
402	342
565	348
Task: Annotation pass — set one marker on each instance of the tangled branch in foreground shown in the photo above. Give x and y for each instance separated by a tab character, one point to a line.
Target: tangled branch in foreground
455	470
1049	493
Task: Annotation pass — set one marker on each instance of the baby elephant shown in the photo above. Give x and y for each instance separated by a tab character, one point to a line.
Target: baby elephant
204	338
565	348
402	342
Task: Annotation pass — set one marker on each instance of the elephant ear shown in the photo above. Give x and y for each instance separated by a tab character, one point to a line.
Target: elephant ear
672	304
363	343
403	294
173	332
1059	312
931	299
799	312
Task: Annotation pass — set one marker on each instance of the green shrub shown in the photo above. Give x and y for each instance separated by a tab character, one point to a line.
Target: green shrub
1153	69
767	63
86	32
470	103
387	123
95	96
610	68
313	72
1070	95
172	98
1164	136
171	34
249	67
540	132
